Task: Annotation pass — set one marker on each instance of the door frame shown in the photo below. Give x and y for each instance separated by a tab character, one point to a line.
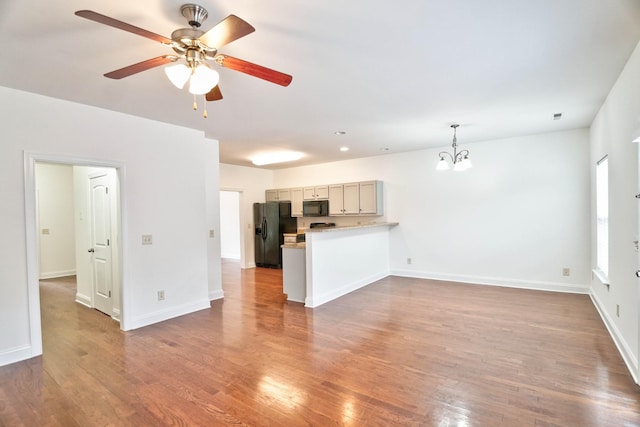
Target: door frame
31	235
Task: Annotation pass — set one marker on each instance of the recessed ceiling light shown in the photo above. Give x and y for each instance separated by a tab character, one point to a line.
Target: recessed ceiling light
277	157
344	148
340	132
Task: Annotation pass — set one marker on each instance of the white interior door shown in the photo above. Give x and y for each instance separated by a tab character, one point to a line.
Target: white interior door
101	243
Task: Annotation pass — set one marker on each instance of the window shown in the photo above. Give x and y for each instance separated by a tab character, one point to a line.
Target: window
602	218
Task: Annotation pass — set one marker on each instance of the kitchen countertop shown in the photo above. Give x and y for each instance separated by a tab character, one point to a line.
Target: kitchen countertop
350	227
299	245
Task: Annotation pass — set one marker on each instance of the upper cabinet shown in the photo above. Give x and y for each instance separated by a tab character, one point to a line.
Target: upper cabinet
280	195
296	202
354	198
336	199
370	198
319	192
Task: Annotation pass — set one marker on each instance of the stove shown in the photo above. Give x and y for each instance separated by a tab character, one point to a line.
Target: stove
322	224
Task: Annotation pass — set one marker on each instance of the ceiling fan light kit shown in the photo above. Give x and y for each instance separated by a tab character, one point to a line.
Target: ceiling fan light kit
459	159
195	47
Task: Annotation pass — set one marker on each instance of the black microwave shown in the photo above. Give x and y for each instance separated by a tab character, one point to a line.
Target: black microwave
315	208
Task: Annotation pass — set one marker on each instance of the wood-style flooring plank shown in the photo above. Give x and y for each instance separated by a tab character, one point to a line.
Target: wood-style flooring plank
398	352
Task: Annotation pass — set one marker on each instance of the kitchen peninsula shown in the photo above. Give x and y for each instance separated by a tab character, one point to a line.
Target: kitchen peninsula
337	260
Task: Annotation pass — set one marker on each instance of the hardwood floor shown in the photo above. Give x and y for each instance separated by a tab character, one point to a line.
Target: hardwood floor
398	352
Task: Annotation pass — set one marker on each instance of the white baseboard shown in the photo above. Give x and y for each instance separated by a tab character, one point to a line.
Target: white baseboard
618	339
54	274
214	295
573	288
318	300
84	300
17	354
168	313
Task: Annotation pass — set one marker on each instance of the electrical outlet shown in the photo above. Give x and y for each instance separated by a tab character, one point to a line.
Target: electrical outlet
212	233
160	295
147	239
408	260
566	271
617	310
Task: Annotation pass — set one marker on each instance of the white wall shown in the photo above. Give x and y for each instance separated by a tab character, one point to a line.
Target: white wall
54	187
168	190
517	218
612	132
251	183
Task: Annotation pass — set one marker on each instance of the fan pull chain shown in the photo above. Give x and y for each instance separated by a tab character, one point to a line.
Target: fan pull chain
195	105
204	101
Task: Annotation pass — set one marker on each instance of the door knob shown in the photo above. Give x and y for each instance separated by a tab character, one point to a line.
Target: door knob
637	273
92	251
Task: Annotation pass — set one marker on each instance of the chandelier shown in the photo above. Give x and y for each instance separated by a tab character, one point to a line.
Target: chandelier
459	159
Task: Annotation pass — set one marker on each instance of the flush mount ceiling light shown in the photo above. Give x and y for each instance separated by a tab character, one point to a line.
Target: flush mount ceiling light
278	157
459	159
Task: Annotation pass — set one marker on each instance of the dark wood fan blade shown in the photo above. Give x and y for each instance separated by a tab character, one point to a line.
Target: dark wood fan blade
103	19
229	29
140	66
214	94
255	70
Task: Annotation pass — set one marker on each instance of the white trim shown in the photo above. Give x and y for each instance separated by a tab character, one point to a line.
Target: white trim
216	295
573	288
18	354
84	300
55	274
318	300
601	276
170	313
33	261
623	348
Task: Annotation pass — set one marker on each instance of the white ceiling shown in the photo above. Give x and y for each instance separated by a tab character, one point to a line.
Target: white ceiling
393	75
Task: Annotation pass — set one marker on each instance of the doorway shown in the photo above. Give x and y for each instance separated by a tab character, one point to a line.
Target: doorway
232	233
35	230
77	219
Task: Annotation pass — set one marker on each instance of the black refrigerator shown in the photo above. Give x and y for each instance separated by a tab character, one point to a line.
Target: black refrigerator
271	220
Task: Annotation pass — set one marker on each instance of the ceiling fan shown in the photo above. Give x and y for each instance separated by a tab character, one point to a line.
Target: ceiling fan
195	47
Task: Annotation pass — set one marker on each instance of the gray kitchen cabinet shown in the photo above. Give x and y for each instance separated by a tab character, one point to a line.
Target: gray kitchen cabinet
336	200
356	198
296	202
278	195
370	198
320	192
